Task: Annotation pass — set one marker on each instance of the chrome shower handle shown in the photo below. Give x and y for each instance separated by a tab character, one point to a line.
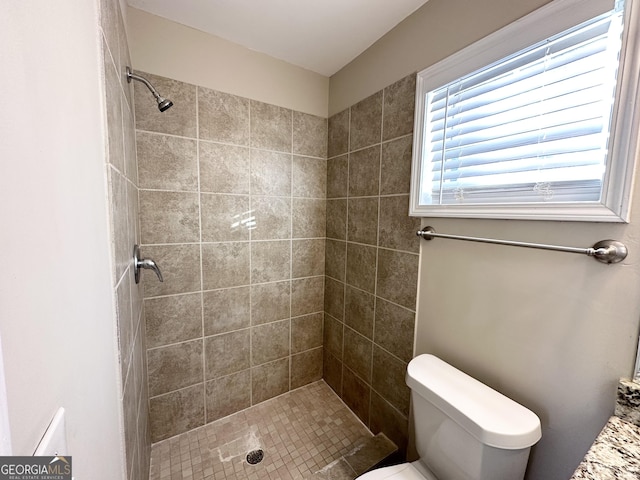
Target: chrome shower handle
147	263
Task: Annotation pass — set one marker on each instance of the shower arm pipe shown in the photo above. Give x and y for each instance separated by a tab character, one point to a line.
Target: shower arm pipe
605	251
133	76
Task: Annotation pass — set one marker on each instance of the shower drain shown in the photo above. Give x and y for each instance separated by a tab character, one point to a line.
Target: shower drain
255	456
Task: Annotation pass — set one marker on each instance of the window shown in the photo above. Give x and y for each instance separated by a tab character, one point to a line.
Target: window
546	131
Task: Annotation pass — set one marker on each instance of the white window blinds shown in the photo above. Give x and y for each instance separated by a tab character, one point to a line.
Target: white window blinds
533	127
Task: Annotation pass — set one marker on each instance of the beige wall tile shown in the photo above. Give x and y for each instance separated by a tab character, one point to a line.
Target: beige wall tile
226	353
271	127
113	100
269	380
270	173
385	418
307	295
364	172
396	166
357	353
334	298
306	332
394	329
337	219
362	224
270	261
169	217
397	228
270	302
399	102
224	217
130	158
338	176
388	380
224	168
133	214
308	218
179	119
366	122
126	329
333	336
379	257
180	266
336	259
123	205
356	394
166	162
270	342
306	367
309	177
174	367
332	371
309	135
109	24
272	217
227	395
359	307
173	319
119	212
225	265
338	134
284	207
223	117
361	266
130	415
176	412
226	310
398	277
307	257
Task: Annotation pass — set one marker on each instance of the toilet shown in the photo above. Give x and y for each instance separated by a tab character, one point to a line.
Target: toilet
464	429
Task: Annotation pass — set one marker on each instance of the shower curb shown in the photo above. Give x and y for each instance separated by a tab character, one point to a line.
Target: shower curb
370	453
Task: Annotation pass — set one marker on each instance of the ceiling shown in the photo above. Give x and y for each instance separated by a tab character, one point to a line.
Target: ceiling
319	35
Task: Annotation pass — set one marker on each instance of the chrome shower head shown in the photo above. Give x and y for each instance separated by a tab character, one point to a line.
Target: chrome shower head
163	103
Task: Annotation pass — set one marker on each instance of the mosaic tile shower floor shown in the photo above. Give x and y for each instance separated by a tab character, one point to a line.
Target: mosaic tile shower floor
301	432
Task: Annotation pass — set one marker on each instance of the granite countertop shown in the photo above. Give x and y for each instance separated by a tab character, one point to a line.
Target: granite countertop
615	454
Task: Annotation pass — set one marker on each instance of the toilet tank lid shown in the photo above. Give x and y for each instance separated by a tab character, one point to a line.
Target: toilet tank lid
491	417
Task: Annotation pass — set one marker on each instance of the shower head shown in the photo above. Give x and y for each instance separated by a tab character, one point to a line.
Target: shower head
163	103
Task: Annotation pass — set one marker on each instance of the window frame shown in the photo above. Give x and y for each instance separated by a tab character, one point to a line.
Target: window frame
543	23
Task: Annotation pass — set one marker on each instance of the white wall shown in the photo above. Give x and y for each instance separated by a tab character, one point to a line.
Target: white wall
554	331
172	50
56	308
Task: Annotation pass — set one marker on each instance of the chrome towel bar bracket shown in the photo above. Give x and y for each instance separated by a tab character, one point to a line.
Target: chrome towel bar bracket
605	251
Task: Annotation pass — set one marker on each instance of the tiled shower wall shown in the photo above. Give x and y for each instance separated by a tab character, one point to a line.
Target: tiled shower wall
232	209
371	258
122	174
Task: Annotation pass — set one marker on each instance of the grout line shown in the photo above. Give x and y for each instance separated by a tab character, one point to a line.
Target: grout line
346	236
249	103
204	362
217	142
227	194
375	285
290	254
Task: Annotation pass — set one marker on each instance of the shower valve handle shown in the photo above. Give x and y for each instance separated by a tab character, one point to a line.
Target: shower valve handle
147	263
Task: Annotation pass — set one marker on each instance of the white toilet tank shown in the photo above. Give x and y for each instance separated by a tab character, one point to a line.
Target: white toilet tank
465	430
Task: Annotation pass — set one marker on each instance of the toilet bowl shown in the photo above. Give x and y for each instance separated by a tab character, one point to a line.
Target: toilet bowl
464	429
